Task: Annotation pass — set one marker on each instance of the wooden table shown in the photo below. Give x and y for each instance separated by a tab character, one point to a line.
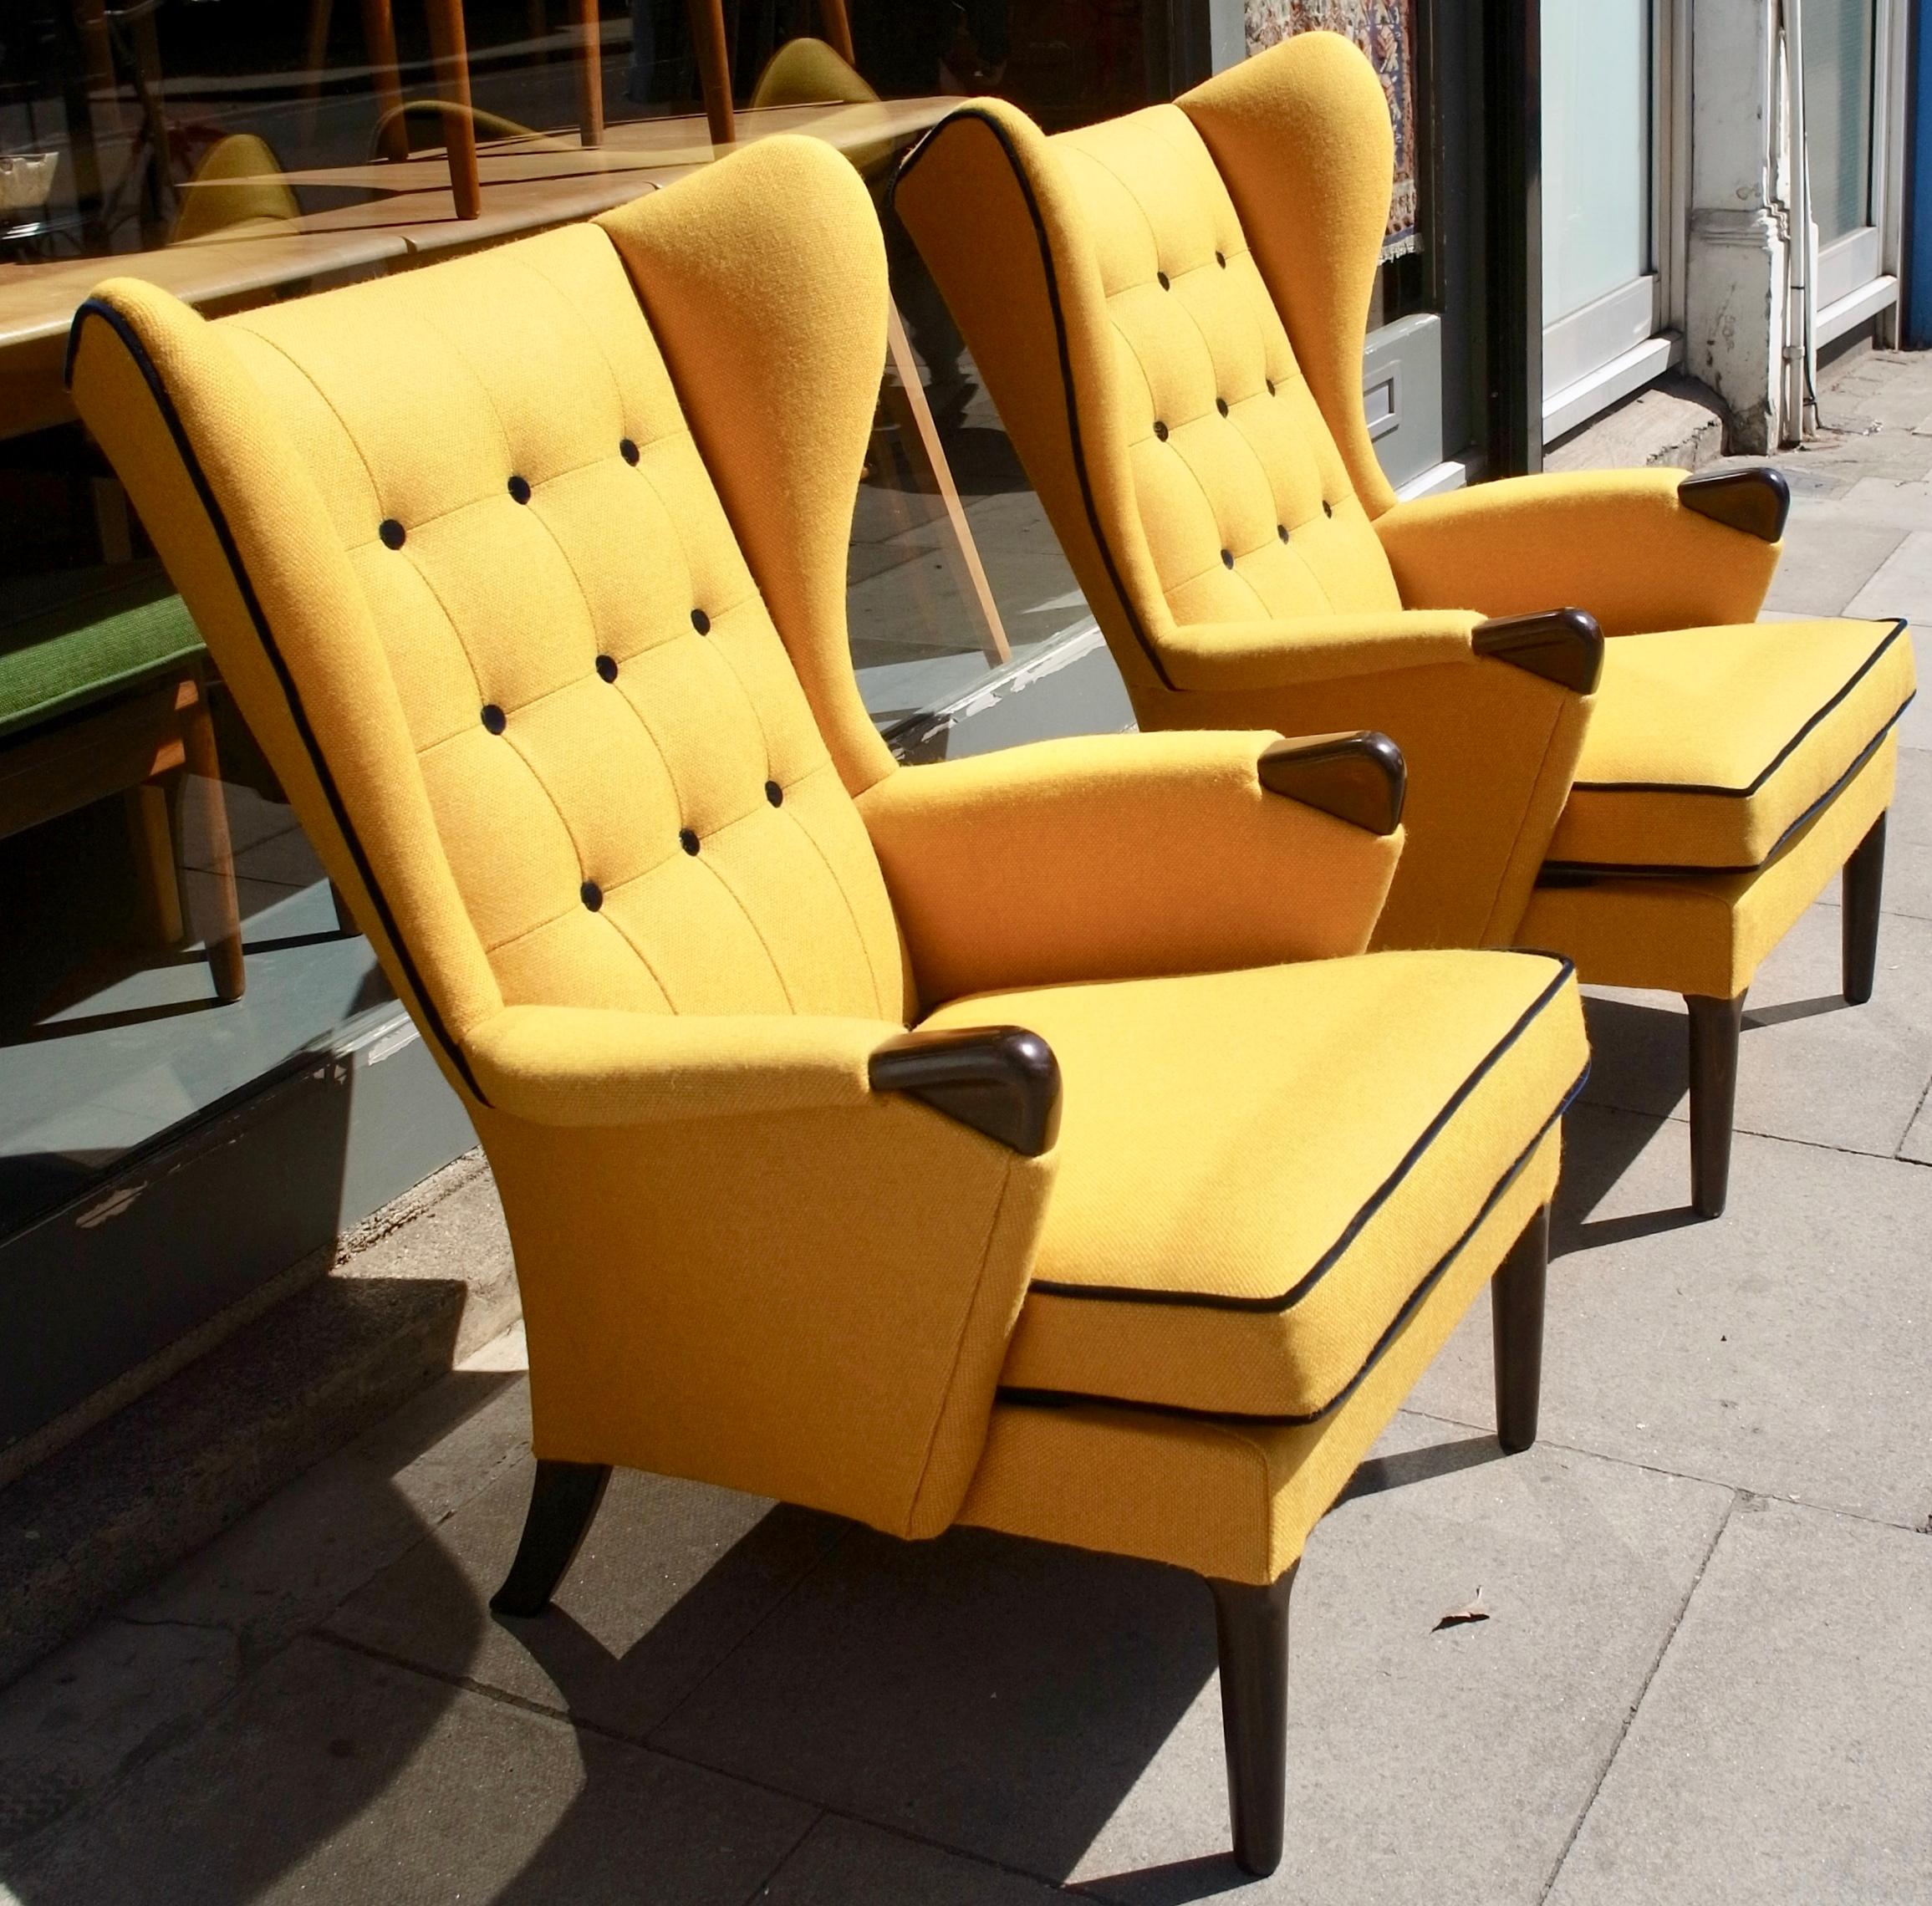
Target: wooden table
406	215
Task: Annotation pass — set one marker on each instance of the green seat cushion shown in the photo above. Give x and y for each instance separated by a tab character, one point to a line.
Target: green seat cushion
68	639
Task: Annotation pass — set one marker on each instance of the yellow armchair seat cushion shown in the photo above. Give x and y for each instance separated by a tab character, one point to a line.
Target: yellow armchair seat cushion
1711	747
1262	1172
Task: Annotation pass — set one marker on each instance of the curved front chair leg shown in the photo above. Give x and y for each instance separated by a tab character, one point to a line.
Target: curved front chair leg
1716	1025
1516	1309
1252	1630
1864	886
562	1499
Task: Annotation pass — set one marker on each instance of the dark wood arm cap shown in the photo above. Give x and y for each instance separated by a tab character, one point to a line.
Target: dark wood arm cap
1563	646
1756	501
1002	1081
1360	777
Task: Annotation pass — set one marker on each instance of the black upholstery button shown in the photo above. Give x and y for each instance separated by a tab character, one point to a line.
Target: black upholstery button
1160	430
1328	507
392	533
702	624
687	840
607	667
519	490
1227	558
1165	281
1281	531
1270	383
1221	259
774	794
628	451
493	718
591	895
1220	404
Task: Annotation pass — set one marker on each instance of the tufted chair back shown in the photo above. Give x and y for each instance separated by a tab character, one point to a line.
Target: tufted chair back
460	545
1178	354
1245	502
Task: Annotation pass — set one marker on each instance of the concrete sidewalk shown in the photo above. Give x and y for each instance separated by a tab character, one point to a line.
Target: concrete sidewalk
1706	1671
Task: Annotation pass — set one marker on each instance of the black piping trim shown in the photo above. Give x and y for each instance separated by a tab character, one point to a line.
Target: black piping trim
1012	159
1192	1300
1776	761
93	307
1059	1399
1580	873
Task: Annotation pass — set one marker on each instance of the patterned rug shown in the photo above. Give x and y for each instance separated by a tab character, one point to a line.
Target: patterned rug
1384	30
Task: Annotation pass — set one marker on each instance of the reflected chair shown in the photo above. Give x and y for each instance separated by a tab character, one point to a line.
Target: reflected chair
103	691
1606	756
1022	1141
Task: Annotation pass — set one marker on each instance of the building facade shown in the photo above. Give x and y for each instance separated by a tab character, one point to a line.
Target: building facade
203	1076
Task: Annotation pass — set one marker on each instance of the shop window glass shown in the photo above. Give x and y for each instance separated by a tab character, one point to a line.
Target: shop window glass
240	153
1838	72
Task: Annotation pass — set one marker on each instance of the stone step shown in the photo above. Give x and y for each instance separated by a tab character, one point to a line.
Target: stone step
415	1288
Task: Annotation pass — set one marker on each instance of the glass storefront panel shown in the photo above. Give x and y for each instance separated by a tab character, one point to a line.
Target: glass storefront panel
1597	149
1839	38
238	154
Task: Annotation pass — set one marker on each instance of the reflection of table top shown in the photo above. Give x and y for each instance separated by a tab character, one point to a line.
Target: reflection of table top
404	214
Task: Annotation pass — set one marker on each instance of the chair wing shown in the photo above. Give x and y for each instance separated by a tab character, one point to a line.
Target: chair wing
459	551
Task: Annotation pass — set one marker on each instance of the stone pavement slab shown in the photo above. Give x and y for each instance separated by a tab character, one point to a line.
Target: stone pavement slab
1786	1348
1832	557
1058	1713
1902	584
844	1862
1783	1753
1810	1068
670	1577
341	1778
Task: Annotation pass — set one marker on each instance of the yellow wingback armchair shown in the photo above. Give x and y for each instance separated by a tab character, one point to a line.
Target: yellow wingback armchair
529	570
1606	756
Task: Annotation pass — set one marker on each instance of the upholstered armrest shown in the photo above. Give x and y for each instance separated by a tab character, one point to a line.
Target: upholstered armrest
578	1065
782	1253
1209	657
1115	856
1639	549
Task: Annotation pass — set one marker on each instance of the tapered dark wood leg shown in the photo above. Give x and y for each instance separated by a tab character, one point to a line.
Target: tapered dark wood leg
563	1501
1716	1025
1864	886
1251	1629
1516	1309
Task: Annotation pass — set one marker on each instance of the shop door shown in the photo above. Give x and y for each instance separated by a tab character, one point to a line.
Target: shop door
1603	308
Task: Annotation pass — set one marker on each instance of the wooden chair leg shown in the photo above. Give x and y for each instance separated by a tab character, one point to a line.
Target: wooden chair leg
714	61
223	934
563	1500
589	73
1252	1632
450	47
379	40
837	24
906	398
153	841
1862	886
1516	1309
1716	1025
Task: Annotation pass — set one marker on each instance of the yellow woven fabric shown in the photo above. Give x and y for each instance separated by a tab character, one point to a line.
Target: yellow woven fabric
446	534
1244	1252
1616	543
1707	933
1709	745
1115	856
1226	1498
1245	500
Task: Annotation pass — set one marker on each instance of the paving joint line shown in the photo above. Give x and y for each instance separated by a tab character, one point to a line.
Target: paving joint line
1673	1117
1630	1718
523	1703
1679	1475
